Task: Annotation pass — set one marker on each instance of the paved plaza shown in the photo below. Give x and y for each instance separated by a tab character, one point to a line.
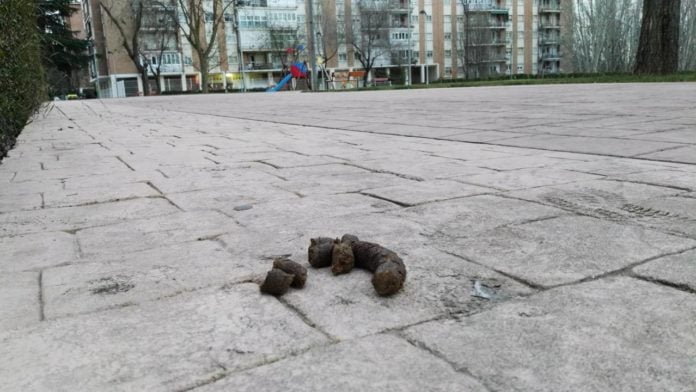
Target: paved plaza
549	233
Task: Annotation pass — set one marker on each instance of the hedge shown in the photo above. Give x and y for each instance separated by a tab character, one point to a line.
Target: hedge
22	87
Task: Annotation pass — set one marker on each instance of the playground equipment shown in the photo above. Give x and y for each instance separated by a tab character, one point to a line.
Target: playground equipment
297	70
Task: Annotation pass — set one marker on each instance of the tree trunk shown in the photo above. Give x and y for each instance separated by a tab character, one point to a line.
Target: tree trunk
204	73
145	79
658	49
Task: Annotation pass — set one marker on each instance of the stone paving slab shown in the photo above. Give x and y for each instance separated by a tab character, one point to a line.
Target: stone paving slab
142	276
347	306
379	362
305	212
680	154
21	307
37	251
546	253
618	166
141	234
76	218
433	168
17	190
172	344
90	169
603	199
425	192
158	291
587	337
679	270
30	201
463	218
670	178
82	196
526	178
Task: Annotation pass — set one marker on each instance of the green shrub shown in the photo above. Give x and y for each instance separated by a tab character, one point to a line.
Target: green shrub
22	86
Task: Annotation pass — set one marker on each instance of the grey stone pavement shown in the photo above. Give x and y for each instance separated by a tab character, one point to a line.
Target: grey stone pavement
549	235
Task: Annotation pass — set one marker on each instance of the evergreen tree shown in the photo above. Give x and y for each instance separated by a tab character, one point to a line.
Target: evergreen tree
62	52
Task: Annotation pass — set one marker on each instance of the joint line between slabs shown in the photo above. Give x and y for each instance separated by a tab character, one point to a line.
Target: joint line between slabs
42	316
492	143
661	282
305	319
124	162
459	369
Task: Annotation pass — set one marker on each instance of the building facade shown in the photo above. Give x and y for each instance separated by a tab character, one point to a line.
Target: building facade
404	41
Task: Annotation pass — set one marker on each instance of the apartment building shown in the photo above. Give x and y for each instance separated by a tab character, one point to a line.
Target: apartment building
424	40
255	33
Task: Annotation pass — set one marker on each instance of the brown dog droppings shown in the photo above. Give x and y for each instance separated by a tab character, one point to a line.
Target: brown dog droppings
277	282
288	266
319	252
349	238
389	270
342	260
389	277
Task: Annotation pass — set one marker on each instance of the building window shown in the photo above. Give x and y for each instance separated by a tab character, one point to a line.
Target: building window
429	54
448	53
342	56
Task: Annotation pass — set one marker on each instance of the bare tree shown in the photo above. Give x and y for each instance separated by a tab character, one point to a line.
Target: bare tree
605	35
200	25
687	40
129	24
476	41
658	47
158	35
370	37
283	40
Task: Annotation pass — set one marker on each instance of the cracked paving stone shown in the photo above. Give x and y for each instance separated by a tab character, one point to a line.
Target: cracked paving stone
616	166
686	154
141	234
19	296
617	334
98	195
380	362
147	275
673	178
547	253
608	146
428	167
35	251
172	344
679	270
467	216
527	178
74	218
427	191
437	284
